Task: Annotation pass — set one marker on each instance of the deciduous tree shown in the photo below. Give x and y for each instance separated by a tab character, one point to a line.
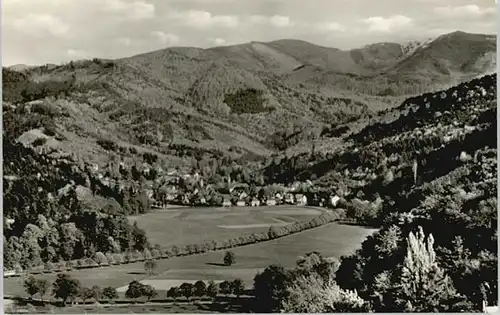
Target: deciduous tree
229	258
173	293
65	288
149	292
135	290
110	293
237	287
186	290
31	286
212	289
200	288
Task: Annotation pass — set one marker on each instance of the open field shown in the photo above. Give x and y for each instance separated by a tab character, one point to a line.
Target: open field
196	225
331	240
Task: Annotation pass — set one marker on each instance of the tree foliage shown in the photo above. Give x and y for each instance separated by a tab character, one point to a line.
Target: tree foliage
66	288
110	293
229	258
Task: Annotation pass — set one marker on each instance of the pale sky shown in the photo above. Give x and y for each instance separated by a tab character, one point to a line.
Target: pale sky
55	31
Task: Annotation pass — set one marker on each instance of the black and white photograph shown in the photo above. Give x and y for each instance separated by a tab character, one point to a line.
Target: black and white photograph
249	156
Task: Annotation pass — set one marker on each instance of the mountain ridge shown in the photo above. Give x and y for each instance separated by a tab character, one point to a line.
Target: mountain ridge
264	96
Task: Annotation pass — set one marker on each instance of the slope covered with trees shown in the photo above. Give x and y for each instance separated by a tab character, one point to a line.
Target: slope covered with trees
427	178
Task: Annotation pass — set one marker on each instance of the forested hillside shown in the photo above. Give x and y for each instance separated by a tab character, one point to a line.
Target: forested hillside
88	143
427	177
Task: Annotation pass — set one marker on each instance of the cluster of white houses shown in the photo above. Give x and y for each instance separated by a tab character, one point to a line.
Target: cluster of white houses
298	199
238	195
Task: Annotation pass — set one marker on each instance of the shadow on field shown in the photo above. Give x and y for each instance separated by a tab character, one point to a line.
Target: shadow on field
350	223
229	305
216	264
136	273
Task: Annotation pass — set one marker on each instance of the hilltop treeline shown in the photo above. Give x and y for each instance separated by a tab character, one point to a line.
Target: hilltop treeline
19	87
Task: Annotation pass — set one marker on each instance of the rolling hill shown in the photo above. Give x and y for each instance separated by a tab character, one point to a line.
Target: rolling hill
249	99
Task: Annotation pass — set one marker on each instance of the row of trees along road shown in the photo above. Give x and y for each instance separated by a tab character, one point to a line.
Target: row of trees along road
67	289
200	289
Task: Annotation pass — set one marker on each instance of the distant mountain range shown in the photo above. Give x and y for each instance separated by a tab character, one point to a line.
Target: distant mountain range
250	99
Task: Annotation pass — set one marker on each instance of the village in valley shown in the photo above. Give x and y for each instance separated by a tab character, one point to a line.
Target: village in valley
174	187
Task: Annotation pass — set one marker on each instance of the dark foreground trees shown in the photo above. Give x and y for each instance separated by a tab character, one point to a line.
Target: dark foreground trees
66	288
237	287
420	284
110	293
137	290
186	290
134	290
212	289
200	288
173	293
270	289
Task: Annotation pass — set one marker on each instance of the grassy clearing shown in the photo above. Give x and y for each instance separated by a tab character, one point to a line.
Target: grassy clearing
195	225
331	240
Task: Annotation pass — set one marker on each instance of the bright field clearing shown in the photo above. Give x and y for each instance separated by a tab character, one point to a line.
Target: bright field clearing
196	225
331	240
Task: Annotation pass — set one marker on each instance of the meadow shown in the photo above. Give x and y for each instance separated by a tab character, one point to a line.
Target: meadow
332	240
195	225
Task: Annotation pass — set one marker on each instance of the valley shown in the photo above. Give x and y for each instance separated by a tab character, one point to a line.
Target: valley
320	170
